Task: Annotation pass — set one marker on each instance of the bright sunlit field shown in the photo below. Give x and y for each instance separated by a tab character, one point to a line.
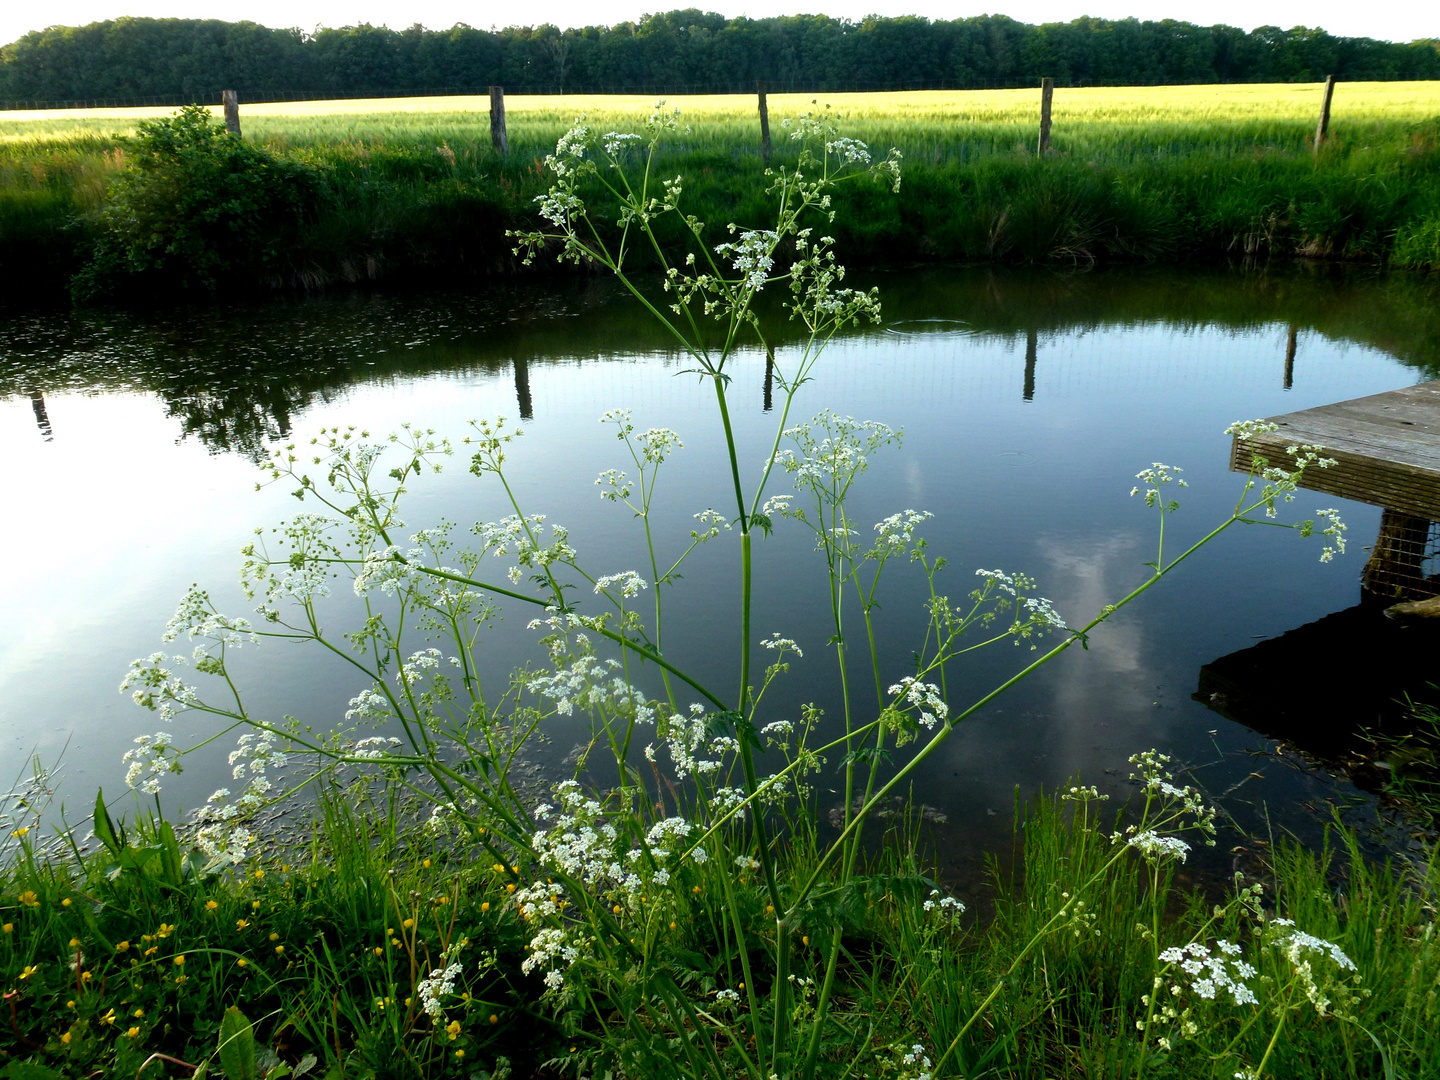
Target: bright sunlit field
1114	122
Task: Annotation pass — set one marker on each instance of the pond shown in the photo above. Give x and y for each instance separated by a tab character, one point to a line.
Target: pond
1028	399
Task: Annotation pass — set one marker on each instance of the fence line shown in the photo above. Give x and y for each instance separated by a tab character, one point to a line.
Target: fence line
746	87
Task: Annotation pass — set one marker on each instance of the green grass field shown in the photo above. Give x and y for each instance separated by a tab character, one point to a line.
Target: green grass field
930	125
1137	173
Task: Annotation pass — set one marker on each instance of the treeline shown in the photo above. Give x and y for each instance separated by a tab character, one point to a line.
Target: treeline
194	58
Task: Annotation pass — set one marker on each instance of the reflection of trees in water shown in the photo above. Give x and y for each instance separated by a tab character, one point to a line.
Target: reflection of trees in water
238	378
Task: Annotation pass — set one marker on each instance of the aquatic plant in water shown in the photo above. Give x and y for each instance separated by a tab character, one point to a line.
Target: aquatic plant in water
692	826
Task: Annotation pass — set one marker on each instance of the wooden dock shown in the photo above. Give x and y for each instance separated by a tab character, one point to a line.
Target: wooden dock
1387	453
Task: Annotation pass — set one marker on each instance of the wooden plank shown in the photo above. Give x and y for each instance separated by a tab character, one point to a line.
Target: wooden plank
1386	448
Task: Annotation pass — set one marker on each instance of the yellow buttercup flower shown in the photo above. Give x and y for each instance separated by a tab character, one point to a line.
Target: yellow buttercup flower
274	936
133	1033
211	905
494	1019
108	1018
74	941
483	907
8	928
408	923
21	831
425	863
65	1038
66	902
30	969
240	924
29	899
279	949
123	946
379	951
180	960
453	1030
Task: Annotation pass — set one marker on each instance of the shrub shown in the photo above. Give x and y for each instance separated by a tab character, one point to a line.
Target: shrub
196	206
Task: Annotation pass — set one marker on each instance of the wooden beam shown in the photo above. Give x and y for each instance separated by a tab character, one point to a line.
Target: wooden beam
1386	448
231	100
1047	92
498	138
1322	129
764	122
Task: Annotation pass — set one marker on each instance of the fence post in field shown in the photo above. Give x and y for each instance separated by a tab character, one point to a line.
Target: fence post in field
497	120
1323	127
1047	91
231	100
764	122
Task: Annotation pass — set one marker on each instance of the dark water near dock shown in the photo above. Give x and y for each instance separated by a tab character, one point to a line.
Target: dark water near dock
1029	400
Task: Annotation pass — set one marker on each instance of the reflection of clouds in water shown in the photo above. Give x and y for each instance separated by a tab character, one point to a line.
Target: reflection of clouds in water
1102	693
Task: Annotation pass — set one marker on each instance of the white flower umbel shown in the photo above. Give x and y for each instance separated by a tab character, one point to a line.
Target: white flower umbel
148	762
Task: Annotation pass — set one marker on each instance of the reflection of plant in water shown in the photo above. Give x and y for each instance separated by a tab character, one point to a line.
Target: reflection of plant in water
696	924
1410	760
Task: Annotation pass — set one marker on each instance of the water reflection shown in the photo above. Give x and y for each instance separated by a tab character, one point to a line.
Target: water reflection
148	490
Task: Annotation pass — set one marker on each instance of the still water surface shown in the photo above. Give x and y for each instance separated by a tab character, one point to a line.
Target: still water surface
1028	402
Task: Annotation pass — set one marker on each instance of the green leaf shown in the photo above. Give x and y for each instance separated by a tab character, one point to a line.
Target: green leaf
28	1070
105	828
237	1046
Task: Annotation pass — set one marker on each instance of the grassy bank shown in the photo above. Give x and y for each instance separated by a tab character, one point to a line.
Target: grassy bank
133	950
1138	174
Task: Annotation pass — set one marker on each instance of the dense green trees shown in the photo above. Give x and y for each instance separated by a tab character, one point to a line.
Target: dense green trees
193	58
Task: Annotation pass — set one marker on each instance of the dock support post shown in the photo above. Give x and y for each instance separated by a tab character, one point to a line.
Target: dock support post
231	100
1047	92
497	120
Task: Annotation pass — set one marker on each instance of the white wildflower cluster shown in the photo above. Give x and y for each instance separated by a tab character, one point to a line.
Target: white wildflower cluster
1157	848
657	444
581	680
521	538
1324	988
195	617
947	906
147	763
375	748
439	984
684	734
911	1063
154	686
1151	772
727	999
1154	479
1281	484
897	532
414	669
387	569
832	450
777	506
781	644
922	698
1207	973
850	151
370	704
752	255
580	844
1034	615
1334	529
221	830
614	485
711	522
615	142
627	581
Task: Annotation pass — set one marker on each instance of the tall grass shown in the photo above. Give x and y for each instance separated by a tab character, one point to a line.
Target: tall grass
322	944
1138	174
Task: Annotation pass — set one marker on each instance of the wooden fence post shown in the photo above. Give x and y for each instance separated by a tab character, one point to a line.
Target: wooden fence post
1047	91
231	100
764	122
1323	127
497	120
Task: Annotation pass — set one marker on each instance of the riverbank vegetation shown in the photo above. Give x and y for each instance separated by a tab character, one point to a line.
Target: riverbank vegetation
113	956
413	188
